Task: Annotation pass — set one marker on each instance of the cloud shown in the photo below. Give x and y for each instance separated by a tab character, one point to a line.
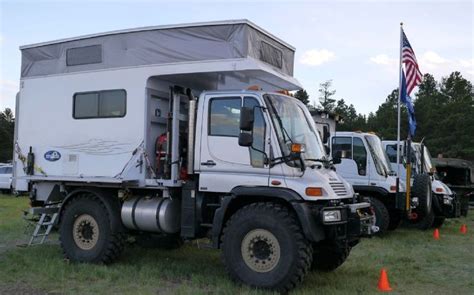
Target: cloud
316	57
383	59
430	62
8	90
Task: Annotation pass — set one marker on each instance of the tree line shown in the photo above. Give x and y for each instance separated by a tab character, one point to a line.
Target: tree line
444	112
7	127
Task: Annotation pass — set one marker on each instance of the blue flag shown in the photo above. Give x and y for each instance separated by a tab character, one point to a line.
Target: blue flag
406	99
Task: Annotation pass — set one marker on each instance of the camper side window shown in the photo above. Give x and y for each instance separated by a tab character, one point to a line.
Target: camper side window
99	104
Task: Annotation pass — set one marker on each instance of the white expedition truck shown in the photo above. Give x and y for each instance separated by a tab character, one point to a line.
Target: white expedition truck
147	132
362	161
445	202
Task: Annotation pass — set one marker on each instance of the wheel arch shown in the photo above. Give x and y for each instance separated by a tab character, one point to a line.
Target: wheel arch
241	196
112	204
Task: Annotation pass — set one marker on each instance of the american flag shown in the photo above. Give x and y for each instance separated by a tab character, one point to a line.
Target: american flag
413	74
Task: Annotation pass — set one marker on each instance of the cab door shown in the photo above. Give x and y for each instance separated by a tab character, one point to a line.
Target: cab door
223	164
354	161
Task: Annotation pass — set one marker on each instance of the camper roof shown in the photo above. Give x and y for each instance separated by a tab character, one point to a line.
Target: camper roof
159	45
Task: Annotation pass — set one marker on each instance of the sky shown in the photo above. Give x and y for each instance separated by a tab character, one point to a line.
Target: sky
353	43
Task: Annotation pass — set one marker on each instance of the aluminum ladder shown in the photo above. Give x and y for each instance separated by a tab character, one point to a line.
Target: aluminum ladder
45	224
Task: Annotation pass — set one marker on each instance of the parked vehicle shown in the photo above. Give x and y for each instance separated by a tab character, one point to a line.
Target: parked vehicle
363	162
6	178
458	174
445	202
143	132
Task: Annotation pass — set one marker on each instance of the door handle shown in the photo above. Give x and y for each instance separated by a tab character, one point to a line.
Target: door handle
209	163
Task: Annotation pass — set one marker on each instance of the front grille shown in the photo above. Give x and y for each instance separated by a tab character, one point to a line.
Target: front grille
338	188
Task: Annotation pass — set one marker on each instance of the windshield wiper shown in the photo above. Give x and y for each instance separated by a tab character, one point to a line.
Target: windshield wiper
325	161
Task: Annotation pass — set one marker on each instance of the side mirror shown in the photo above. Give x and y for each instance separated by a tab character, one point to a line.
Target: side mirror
245	139
247	118
326	134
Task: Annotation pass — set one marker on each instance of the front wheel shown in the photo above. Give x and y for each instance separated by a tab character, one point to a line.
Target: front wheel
329	255
263	246
381	214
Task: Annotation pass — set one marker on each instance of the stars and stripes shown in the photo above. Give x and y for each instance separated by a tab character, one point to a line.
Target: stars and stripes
413	74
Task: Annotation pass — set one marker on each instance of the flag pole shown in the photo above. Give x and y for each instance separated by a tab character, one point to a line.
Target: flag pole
398	108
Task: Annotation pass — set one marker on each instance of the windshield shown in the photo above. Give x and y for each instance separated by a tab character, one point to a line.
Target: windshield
426	157
380	157
293	124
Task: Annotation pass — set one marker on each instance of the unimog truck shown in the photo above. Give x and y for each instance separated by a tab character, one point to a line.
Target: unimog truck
177	133
362	161
445	202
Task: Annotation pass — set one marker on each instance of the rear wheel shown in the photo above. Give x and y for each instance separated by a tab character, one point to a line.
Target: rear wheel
329	255
263	246
382	217
90	231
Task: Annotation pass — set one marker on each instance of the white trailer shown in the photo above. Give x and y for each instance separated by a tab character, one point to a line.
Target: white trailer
154	132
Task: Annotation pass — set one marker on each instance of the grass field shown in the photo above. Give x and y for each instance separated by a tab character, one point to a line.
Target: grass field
416	264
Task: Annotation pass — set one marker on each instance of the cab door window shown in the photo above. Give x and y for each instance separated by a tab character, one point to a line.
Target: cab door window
360	155
351	148
257	158
342	147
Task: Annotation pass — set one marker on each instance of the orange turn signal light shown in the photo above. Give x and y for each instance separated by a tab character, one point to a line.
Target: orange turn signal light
439	190
393	188
314	191
296	148
254	88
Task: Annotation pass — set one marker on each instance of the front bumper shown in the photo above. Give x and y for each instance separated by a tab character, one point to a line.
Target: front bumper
448	206
356	221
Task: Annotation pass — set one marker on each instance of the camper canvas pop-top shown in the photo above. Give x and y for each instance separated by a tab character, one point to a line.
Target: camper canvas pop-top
154	132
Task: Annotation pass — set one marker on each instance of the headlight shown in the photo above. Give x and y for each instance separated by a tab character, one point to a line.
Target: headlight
331	215
447	200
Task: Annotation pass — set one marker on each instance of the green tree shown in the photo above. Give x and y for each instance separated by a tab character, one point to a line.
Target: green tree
326	96
7	126
303	96
445	115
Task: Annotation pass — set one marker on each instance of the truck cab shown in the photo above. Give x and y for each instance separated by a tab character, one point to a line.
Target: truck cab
363	163
445	202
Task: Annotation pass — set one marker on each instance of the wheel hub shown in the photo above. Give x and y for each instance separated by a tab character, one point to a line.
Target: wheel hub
260	250
85	232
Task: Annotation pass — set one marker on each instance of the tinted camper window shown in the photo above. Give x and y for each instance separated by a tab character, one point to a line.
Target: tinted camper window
100	104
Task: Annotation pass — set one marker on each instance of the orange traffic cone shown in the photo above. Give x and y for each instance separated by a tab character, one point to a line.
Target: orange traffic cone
436	234
463	229
384	285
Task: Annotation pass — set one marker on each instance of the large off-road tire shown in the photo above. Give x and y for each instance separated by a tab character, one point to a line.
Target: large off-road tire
382	217
161	241
438	221
422	190
396	217
263	246
91	231
424	211
329	255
